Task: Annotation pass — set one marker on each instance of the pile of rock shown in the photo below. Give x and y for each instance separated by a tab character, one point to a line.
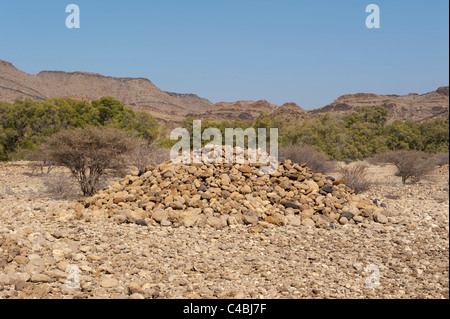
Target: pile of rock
178	194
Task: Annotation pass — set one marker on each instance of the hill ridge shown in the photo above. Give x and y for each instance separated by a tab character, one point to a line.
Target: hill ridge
141	93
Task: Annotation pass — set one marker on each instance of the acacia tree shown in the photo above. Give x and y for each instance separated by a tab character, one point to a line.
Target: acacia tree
411	165
89	152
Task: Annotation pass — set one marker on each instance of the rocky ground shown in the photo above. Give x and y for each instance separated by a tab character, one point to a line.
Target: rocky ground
46	250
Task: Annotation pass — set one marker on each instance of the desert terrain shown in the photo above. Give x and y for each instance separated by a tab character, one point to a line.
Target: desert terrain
48	245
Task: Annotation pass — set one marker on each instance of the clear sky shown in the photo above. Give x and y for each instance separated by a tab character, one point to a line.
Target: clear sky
307	52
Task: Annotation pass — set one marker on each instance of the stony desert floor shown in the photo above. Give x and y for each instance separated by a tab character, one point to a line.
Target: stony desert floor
46	252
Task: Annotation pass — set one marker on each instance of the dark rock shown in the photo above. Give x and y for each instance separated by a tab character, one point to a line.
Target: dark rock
375	201
289	204
327	188
295	176
330	178
347	215
141	172
383	205
141	222
394	197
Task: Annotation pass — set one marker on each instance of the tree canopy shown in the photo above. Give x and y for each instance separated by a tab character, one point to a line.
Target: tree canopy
26	123
361	134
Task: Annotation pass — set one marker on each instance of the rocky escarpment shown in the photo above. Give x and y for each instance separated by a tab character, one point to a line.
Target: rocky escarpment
411	107
136	93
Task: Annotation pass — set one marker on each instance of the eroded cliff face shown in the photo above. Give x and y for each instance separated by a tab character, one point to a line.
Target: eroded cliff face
138	93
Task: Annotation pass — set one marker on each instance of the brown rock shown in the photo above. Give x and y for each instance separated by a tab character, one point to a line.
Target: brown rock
189	218
119	200
307	213
245	169
21	260
40	278
208	195
338	182
79	208
108	282
380	218
358	219
160	215
251	218
216	222
255	229
246	189
272	220
308	222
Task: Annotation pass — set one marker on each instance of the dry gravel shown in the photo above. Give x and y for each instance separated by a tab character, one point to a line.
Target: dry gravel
41	236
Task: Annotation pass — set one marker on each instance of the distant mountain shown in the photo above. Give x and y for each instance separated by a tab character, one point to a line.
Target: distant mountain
137	93
248	110
413	107
142	94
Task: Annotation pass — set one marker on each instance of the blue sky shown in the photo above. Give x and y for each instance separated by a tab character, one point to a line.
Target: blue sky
307	52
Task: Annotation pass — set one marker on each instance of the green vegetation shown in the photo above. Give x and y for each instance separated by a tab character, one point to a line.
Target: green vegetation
25	123
356	136
365	133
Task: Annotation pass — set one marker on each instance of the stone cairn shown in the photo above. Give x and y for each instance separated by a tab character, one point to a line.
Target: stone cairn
219	195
